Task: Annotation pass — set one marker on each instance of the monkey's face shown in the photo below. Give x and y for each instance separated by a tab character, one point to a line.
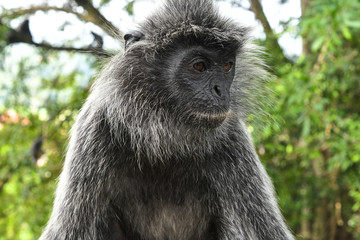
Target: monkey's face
200	80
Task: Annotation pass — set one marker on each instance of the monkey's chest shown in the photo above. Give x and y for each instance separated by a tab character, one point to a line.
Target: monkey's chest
158	219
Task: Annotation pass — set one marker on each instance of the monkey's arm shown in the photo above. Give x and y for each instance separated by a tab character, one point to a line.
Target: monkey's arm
246	194
82	208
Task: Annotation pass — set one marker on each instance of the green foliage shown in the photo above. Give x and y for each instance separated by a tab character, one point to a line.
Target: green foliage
40	97
314	155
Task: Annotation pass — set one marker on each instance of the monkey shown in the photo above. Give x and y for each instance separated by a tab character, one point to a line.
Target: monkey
160	149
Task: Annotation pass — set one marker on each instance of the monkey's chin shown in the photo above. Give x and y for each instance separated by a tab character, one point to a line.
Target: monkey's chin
211	120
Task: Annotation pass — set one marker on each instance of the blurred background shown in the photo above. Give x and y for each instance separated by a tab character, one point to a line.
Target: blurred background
50	52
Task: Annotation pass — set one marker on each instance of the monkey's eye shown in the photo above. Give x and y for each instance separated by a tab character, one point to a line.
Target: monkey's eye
199	66
228	66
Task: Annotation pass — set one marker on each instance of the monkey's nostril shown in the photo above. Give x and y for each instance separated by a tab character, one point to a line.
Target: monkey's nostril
217	90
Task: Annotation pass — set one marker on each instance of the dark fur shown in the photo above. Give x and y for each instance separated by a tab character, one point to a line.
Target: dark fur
135	170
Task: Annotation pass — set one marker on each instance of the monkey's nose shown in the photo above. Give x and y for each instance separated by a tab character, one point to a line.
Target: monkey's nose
221	95
217	90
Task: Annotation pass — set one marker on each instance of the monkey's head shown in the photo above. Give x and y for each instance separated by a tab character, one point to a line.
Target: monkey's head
186	73
190	53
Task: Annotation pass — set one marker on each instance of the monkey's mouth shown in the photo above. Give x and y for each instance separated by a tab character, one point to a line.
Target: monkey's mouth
211	119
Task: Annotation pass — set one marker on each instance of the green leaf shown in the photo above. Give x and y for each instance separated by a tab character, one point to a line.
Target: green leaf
353	24
306	127
130	7
346	33
317	43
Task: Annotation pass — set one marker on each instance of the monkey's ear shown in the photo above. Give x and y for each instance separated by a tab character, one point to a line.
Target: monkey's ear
131	37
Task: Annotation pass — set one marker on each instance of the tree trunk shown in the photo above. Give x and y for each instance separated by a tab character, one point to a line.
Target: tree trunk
257	9
306	47
320	222
305	231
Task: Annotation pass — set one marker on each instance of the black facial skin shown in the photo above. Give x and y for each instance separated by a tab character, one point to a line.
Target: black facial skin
204	76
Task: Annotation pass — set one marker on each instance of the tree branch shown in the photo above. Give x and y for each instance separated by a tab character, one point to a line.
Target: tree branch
260	15
89	49
45	8
94	16
20	37
257	9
